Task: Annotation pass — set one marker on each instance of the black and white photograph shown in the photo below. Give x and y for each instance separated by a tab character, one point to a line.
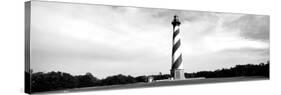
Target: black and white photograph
74	47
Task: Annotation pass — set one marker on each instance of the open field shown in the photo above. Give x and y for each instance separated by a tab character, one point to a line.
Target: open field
161	83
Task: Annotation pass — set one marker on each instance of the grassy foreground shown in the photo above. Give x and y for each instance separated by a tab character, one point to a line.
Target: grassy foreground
161	83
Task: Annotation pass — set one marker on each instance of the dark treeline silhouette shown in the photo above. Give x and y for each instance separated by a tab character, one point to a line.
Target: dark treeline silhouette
161	77
239	70
118	79
53	81
59	80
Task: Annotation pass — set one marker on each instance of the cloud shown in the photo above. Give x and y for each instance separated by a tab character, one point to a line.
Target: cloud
252	27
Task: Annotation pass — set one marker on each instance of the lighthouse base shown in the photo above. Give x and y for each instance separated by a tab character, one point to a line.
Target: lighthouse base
177	74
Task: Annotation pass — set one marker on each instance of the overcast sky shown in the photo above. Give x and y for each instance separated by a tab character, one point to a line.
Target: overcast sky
110	40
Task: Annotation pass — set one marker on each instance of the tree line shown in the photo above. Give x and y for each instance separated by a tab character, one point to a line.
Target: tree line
239	70
59	80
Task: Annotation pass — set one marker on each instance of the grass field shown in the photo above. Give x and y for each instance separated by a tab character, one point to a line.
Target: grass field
161	83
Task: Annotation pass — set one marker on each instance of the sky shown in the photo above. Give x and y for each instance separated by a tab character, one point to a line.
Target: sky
110	40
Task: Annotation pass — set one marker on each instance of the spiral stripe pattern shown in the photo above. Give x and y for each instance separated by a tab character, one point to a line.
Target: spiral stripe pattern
176	52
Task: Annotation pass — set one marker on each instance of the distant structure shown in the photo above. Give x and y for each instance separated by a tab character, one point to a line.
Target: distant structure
150	79
177	71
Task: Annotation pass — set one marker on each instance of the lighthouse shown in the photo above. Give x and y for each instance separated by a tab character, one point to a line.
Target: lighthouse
177	71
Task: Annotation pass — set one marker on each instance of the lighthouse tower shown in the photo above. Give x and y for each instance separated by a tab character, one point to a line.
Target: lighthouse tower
177	71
